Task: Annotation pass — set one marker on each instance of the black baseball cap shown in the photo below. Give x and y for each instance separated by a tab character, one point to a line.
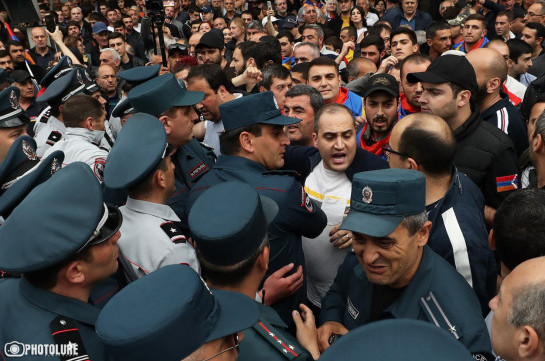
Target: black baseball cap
383	82
448	68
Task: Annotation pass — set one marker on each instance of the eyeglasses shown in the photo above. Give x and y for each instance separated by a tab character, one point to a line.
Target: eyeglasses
177	46
388	151
237	343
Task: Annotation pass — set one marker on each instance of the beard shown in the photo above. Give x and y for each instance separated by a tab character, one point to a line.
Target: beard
481	93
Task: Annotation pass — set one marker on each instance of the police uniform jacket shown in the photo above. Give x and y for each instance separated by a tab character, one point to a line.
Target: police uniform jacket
485	154
80	145
298	215
458	234
48	133
436	294
151	237
269	339
27	312
192	161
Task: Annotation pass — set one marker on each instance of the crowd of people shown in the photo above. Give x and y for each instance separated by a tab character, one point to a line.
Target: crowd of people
283	179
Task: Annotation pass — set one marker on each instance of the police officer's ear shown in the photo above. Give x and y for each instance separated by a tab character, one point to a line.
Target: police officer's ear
247	142
262	261
423	234
166	123
71	274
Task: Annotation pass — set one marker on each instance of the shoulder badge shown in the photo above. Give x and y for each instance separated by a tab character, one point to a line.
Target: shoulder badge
79	78
69	61
198	169
367	195
275	338
98	168
13	100
174	232
53	138
29	151
306	201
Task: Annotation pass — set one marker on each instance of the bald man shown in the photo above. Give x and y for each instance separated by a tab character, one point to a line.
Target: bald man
426	143
518	324
494	105
513	86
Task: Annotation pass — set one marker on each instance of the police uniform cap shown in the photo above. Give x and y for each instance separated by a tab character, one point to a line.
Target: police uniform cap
161	93
137	151
62	89
253	109
11	113
140	74
169	314
76	217
21	171
380	199
62	67
20	76
227	235
123	108
397	340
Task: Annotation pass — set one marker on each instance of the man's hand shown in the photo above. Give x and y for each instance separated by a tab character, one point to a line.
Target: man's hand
340	238
328	329
306	330
56	35
278	287
386	64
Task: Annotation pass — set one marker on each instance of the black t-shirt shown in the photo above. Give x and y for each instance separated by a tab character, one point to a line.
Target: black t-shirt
383	297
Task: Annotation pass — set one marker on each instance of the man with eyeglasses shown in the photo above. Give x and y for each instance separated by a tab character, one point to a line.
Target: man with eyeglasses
381	102
454	204
62	257
234	255
175	53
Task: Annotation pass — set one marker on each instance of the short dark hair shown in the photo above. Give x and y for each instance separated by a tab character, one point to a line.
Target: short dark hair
119	24
11	43
324	61
404	30
229	140
478	17
244	46
72	23
413	58
116	35
213	74
433	152
351	30
230	275
301	68
517	48
509	15
78	108
263	53
519	227
435	27
285	34
539	28
335	42
271	71
316	99
373	39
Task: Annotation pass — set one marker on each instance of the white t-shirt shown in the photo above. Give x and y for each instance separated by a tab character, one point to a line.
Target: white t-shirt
331	192
212	135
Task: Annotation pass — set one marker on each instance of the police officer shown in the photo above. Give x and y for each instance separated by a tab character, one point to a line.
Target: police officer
65	252
140	162
56	94
84	119
21	171
234	254
397	339
13	121
392	273
253	148
171	314
168	99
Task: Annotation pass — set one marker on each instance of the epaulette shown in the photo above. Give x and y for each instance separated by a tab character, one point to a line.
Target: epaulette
436	315
44	116
271	335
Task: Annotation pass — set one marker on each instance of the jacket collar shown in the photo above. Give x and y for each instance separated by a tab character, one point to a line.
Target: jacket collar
155	209
92	136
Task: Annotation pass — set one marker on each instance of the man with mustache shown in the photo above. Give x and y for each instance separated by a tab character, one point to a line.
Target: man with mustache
381	101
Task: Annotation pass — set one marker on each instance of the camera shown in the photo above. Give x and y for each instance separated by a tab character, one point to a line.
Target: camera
14	349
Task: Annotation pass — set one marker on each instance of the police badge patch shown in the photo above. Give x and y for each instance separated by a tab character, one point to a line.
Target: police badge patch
29	151
13	100
306	201
55	166
98	168
367	195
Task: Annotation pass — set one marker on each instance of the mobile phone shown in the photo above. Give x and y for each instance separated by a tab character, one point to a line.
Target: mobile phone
50	23
269	5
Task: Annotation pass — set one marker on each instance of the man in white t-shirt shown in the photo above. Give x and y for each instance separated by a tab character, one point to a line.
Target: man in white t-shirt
329	184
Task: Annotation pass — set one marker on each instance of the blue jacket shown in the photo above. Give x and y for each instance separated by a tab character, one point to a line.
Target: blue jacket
298	215
436	294
422	20
459	235
27	312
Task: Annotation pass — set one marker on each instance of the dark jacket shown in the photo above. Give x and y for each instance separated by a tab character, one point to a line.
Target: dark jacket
436	294
422	20
459	235
487	156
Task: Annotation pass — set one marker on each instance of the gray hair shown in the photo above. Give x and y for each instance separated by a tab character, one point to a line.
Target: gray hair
315	49
527	308
317	28
255	24
115	54
338	10
316	100
414	222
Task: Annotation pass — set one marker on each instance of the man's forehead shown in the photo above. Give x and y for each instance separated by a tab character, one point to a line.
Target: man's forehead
298	100
322	70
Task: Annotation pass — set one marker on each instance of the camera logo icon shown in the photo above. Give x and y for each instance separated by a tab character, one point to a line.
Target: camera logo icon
14	349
